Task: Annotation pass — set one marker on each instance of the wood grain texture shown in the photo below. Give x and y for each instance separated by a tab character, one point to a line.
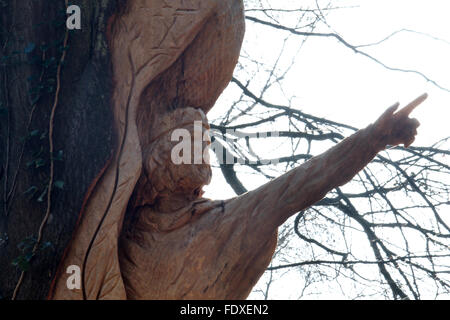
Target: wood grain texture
148	231
165	55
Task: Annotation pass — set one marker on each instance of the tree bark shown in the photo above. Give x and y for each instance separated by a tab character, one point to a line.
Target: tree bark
31	44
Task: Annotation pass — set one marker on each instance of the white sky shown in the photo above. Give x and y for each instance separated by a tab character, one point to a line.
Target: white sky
350	88
329	80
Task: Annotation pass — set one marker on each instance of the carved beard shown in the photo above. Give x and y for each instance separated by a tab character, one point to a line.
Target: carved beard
164	55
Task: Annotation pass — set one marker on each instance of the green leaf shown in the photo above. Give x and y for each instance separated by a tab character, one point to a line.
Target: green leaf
29	48
41	197
31	190
39	163
59	184
23	261
27	243
58	156
46	245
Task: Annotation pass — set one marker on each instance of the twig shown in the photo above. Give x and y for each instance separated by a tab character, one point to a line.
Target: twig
348	45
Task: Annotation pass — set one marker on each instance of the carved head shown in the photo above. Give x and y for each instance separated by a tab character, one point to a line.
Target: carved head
165	56
176	160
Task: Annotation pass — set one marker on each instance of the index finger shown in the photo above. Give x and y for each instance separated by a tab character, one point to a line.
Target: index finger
405	111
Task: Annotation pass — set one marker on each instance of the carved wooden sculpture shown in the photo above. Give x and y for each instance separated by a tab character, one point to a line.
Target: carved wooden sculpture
144	231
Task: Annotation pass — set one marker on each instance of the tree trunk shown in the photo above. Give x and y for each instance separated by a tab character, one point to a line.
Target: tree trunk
32	44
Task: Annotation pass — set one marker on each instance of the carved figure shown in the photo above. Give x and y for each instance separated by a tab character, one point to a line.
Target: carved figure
145	232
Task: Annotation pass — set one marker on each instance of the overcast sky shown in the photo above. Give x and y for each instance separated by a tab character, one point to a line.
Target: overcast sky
329	80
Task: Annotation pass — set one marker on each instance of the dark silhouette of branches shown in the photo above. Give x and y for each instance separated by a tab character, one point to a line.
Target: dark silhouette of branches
386	233
341	40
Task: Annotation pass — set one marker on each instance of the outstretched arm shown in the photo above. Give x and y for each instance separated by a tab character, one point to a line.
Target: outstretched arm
271	204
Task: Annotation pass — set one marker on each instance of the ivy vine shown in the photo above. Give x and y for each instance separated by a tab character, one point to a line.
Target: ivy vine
37	152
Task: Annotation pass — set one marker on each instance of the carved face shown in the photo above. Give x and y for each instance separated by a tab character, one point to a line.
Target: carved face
164	54
170	55
176	160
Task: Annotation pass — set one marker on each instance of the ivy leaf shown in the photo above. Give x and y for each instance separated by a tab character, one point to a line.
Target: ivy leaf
59	184
46	245
31	191
41	197
34	133
58	156
30	163
27	243
22	263
29	48
39	163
